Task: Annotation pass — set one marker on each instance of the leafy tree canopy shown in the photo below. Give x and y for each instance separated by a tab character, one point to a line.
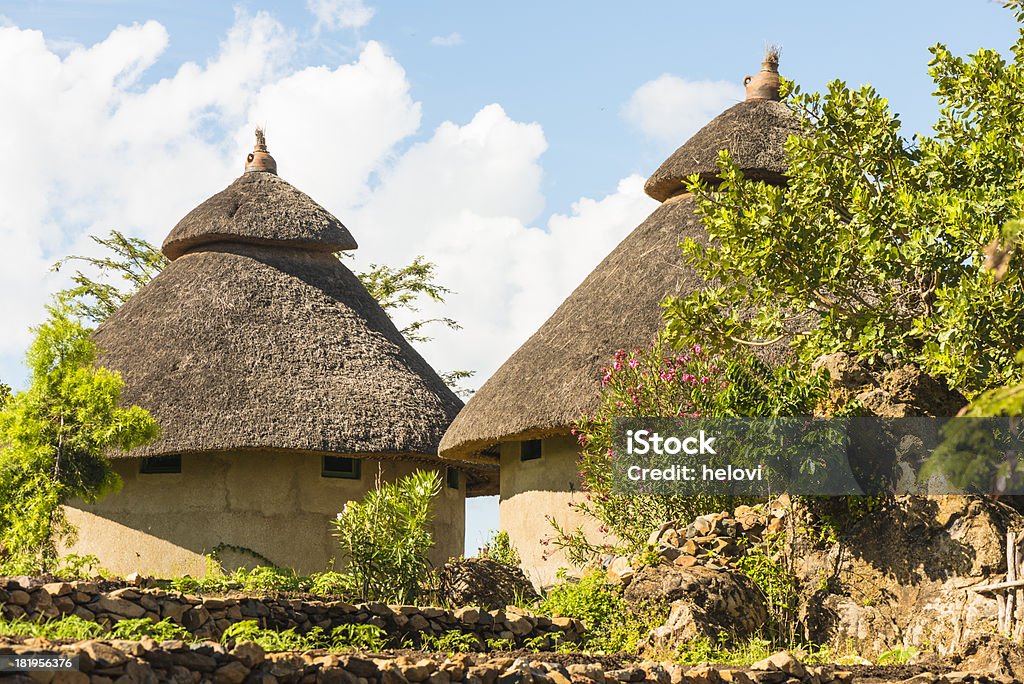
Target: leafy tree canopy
54	437
897	249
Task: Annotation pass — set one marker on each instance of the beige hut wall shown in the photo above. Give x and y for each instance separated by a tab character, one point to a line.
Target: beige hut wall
533	490
277	505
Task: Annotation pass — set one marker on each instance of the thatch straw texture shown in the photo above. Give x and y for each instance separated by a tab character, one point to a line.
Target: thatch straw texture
754	133
259	208
554	377
242	347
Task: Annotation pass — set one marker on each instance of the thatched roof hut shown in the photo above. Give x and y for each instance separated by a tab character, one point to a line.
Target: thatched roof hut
257	338
550	381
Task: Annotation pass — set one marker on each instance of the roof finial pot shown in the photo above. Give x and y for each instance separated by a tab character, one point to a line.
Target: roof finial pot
765	85
259	159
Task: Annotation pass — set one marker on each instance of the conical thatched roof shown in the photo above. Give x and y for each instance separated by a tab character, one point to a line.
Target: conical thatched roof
754	133
259	208
256	337
553	379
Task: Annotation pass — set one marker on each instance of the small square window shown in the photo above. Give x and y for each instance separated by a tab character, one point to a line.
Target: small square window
529	450
158	465
452	476
338	466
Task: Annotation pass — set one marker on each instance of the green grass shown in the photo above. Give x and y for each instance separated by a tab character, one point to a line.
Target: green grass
341	638
73	627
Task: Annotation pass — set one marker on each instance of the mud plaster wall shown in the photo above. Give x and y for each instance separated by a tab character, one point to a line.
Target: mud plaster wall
533	490
278	505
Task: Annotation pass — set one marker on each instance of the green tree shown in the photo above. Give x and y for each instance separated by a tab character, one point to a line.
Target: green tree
385	537
54	437
661	381
132	262
879	243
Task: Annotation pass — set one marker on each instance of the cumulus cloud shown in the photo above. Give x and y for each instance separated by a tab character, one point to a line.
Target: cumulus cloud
337	14
329	129
90	145
450	40
467	198
670	109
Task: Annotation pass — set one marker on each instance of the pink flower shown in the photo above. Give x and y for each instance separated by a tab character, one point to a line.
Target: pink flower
704	380
617	366
620	354
687	377
696	349
606	379
633	363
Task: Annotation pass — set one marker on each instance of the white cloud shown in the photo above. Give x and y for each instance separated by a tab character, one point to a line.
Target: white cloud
90	146
450	40
670	109
329	129
336	14
466	200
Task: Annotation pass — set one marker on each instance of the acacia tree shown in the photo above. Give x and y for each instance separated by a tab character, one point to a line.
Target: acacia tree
897	249
54	437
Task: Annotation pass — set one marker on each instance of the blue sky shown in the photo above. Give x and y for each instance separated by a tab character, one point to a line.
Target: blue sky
507	142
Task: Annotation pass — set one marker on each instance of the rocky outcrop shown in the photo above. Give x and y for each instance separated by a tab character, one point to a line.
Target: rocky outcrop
702	601
483	582
902	575
897	392
696	580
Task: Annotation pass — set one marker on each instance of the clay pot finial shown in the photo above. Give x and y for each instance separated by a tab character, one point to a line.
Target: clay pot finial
765	85
259	159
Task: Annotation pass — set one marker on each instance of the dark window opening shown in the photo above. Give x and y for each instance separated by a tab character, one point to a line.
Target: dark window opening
160	464
529	450
338	466
452	475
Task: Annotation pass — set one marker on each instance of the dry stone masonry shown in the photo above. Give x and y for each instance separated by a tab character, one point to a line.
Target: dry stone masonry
208	617
150	662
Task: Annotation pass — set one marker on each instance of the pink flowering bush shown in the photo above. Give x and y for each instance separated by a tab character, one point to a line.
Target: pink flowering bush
660	381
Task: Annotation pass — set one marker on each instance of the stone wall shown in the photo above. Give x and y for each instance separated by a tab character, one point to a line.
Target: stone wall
207	617
149	662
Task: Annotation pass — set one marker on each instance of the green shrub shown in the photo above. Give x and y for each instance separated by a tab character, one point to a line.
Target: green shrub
332	583
500	548
385	537
898	656
769	565
55	438
70	627
452	641
273	640
661	381
612	624
369	637
135	629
